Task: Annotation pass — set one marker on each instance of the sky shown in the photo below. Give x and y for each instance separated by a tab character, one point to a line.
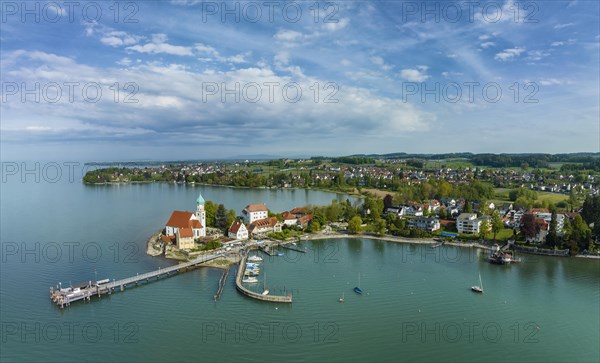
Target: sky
184	79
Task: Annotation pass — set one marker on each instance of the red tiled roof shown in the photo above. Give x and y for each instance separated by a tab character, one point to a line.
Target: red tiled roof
194	223
304	220
266	222
179	219
185	232
297	211
235	227
257	208
167	239
288	216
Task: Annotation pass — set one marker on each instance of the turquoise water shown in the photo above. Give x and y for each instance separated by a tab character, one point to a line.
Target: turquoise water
417	304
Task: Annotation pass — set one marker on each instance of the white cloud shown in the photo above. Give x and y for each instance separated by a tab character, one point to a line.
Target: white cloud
119	38
536	55
486	45
557	44
414	75
379	61
551	81
508	54
288	35
561	26
484	37
340	24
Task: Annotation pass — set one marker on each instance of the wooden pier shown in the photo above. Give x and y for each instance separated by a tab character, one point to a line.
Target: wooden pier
65	296
272	298
293	248
222	282
267	250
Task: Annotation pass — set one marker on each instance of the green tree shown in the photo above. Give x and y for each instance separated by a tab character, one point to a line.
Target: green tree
484	228
221	218
231	217
552	236
211	209
380	226
354	226
496	223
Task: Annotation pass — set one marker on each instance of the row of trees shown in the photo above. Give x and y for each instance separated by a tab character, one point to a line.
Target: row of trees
218	216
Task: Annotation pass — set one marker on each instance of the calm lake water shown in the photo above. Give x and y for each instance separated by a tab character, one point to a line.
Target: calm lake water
417	304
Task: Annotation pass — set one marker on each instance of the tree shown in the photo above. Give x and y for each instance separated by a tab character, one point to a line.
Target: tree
388	201
591	212
231	217
354	226
221	218
210	208
380	225
528	226
313	226
484	228
552	236
496	223
468	207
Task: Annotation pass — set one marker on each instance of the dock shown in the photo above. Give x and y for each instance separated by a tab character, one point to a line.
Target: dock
267	250
293	248
65	296
254	295
222	282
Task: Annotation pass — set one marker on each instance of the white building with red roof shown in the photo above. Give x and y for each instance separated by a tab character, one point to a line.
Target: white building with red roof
187	225
238	231
254	212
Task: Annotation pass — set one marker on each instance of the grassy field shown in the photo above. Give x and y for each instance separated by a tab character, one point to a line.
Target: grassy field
552	197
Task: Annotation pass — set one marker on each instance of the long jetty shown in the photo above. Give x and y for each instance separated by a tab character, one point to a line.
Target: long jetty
239	285
64	297
292	247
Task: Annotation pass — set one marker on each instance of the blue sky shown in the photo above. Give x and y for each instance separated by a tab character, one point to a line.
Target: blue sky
378	68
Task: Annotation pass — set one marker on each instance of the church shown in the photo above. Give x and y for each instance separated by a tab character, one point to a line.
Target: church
185	227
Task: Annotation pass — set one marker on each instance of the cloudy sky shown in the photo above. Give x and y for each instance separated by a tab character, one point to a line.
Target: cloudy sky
192	79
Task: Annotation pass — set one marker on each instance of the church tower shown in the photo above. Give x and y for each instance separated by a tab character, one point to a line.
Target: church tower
201	213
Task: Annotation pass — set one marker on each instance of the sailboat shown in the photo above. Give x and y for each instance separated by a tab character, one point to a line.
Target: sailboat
357	289
265	290
479	288
342	298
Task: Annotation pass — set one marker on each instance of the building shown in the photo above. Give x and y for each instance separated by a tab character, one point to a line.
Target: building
289	219
542	227
184	238
255	212
427	224
305	220
267	225
468	223
238	231
194	223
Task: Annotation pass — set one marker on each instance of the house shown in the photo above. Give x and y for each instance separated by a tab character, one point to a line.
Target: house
542	227
414	211
238	230
254	212
289	219
184	238
298	212
266	225
305	220
394	210
428	224
468	223
505	208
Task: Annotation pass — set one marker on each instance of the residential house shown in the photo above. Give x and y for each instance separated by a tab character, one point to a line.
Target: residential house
184	238
468	223
289	219
266	225
428	224
305	220
542	228
238	230
254	212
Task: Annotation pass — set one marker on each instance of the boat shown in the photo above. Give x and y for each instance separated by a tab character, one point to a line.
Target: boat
265	290
250	280
357	289
478	289
255	258
500	257
341	299
251	273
